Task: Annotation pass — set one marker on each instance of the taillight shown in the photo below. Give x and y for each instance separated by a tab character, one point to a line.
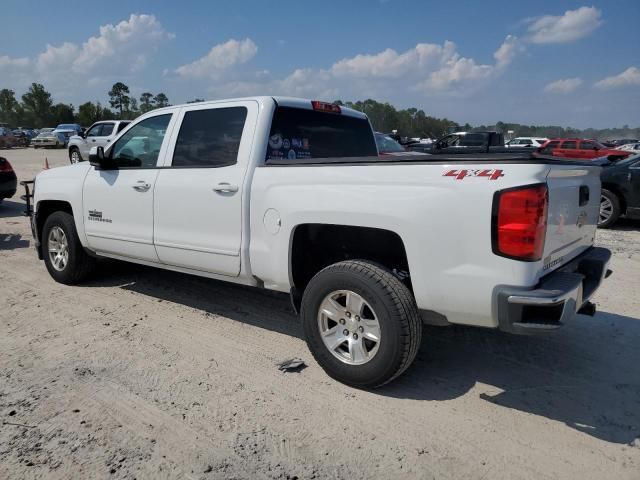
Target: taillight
325	107
520	222
5	166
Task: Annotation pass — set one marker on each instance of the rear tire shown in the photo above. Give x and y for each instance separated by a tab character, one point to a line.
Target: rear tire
609	209
64	255
349	304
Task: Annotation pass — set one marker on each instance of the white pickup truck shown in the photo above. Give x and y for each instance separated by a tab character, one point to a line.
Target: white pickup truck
291	195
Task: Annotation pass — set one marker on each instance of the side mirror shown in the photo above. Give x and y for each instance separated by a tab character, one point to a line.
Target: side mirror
97	158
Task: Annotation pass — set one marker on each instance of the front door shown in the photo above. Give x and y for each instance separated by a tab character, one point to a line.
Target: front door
198	196
118	202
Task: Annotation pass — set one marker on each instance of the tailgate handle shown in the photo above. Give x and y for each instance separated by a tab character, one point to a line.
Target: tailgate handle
584	195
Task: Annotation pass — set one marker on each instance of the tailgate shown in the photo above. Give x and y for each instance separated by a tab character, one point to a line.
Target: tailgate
574	205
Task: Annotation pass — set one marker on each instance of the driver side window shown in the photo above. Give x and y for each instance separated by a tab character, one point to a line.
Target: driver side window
140	146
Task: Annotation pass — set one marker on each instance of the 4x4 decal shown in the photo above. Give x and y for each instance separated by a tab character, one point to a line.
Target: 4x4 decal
462	174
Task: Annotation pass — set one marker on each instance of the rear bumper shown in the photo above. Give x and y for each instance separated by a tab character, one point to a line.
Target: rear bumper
557	298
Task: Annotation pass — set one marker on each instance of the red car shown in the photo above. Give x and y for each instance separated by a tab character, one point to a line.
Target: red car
579	149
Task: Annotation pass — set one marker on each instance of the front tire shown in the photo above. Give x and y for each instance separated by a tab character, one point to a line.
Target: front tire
64	256
609	209
74	155
361	323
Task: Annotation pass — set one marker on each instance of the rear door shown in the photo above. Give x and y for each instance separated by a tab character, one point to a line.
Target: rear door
198	194
568	149
574	205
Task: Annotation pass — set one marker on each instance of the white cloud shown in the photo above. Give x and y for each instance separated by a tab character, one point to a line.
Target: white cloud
631	76
426	69
572	25
67	69
505	54
564	85
220	58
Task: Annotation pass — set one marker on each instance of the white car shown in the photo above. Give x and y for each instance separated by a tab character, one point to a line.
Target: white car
100	134
49	138
533	142
630	147
290	195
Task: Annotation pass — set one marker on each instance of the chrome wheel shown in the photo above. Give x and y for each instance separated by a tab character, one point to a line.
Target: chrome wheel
606	210
349	327
75	156
58	248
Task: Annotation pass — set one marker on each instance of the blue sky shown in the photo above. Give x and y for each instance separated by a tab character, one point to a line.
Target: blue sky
544	62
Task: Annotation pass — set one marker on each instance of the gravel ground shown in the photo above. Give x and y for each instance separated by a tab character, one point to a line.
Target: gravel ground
143	373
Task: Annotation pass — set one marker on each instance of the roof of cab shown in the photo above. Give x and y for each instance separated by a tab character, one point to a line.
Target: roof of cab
280	100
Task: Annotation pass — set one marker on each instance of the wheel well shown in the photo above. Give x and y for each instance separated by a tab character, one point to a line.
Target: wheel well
316	246
613	188
46	208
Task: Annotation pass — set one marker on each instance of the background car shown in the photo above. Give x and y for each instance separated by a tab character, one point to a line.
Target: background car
577	148
8	180
630	147
7	138
50	138
533	142
620	191
69	130
388	146
100	134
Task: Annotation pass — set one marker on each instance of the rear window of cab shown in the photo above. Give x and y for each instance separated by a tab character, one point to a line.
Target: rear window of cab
299	134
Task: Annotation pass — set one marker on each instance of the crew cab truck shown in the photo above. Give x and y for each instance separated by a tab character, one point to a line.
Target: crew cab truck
291	195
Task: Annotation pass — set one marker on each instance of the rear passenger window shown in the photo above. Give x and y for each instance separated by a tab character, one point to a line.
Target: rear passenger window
210	138
122	126
298	133
569	145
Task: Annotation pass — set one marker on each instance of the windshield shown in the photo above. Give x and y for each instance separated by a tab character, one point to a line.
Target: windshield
386	144
67	126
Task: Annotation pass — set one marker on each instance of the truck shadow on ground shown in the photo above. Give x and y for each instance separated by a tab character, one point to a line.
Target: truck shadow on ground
12	241
585	376
10	209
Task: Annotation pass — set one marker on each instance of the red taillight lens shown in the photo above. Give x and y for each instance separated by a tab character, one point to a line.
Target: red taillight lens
5	166
520	222
325	107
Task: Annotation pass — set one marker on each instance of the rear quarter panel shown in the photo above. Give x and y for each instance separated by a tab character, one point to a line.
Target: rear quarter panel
444	223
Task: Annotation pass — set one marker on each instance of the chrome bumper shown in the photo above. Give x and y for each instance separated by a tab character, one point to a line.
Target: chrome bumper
558	296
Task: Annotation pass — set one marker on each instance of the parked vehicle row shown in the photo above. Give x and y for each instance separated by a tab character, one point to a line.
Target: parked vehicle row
291	195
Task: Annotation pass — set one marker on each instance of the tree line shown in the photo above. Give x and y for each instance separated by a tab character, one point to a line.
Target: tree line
413	123
36	108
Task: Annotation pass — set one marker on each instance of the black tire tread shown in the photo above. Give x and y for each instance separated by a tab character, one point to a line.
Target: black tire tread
403	301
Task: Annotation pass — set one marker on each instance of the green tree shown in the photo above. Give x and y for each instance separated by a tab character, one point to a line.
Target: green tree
62	113
196	100
119	97
146	102
8	106
161	100
37	105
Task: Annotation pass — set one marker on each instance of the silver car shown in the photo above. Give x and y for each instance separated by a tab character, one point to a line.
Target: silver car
49	138
100	134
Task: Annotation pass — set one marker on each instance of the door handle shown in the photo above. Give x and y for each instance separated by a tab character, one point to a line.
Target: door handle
141	186
225	187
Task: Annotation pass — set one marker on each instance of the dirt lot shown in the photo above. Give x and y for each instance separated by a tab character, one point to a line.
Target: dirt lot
143	373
